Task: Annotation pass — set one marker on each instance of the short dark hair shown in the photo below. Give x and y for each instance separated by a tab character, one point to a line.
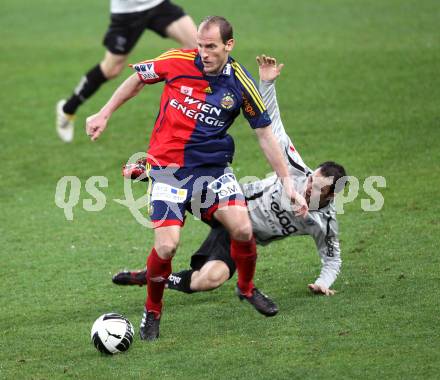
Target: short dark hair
332	169
224	25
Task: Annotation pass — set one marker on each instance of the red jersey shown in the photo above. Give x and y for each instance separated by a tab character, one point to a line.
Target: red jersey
196	110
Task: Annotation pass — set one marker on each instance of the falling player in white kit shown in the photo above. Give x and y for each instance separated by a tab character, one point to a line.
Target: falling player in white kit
271	214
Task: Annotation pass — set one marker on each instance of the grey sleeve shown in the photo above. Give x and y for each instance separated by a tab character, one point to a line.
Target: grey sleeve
267	89
330	253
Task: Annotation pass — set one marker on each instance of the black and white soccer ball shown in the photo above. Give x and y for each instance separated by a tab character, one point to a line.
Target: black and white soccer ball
112	333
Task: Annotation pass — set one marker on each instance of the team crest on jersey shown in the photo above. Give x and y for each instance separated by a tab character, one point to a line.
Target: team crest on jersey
227	101
208	90
146	70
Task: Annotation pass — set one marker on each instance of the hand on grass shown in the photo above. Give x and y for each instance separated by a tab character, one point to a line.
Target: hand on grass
321	289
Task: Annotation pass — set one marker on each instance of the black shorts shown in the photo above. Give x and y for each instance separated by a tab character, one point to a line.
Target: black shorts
217	246
126	28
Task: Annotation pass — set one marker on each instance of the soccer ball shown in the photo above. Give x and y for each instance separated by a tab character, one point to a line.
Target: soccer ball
112	333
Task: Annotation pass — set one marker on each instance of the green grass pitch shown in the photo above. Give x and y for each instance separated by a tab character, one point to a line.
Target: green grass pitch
361	86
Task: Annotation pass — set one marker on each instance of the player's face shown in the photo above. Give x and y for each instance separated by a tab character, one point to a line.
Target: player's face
212	50
318	190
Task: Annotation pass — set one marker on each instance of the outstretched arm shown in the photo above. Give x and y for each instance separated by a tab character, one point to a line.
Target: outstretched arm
269	71
97	123
330	254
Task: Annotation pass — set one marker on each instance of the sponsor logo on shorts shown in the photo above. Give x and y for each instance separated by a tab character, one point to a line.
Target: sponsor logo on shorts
164	192
146	70
225	186
121	41
174	279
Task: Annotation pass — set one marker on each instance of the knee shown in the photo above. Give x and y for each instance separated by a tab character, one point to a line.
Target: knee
112	71
209	279
166	250
112	67
242	232
216	279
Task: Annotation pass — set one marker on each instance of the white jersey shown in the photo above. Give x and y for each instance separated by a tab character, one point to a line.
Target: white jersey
271	214
131	6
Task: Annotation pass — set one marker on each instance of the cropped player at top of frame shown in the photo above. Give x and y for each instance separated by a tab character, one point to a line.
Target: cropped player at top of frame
129	19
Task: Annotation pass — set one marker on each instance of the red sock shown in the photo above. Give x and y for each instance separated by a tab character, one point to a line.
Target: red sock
158	271
244	254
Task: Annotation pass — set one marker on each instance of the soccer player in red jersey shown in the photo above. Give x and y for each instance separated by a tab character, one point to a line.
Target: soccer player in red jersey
189	153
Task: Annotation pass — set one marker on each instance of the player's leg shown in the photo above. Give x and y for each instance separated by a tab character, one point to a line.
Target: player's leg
243	248
169	20
167	215
211	265
244	253
203	274
113	64
120	38
212	275
110	67
183	31
166	240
